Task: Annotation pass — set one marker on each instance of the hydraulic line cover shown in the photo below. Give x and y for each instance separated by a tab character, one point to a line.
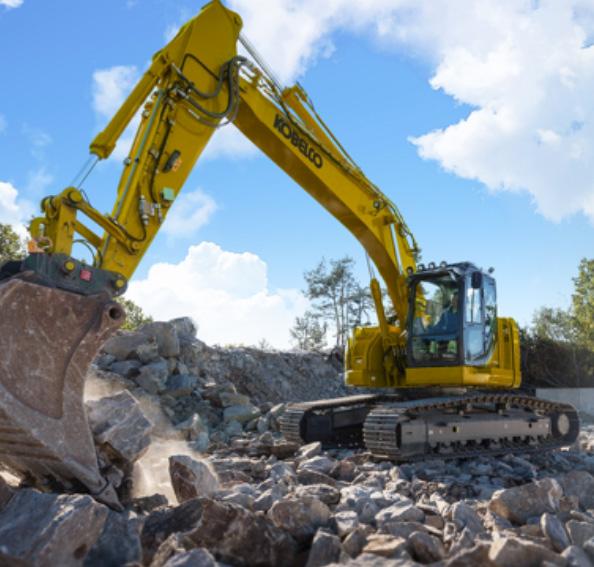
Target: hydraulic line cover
48	338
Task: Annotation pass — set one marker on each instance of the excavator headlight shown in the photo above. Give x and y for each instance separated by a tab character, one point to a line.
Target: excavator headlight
421	268
432	265
410	271
443	264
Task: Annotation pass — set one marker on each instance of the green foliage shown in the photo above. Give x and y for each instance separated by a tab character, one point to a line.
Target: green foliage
309	333
11	246
337	298
583	304
558	349
135	316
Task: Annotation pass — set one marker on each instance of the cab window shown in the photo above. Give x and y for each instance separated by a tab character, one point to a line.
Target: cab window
436	320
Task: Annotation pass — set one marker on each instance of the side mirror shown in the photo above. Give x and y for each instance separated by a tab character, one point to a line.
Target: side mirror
477	280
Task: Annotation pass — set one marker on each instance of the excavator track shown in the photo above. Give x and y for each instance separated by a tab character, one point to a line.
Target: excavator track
441	427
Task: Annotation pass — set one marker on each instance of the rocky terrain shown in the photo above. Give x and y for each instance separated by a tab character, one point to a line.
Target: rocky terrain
189	436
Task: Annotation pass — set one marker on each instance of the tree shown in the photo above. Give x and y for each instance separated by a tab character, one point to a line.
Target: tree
337	297
135	316
553	324
11	246
308	333
583	304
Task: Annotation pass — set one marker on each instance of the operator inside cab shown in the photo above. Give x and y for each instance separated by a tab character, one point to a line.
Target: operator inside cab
436	322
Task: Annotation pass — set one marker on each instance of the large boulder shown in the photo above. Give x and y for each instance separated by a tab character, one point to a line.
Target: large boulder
119	542
49	529
240	537
165	335
520	503
301	518
191	478
120	427
506	552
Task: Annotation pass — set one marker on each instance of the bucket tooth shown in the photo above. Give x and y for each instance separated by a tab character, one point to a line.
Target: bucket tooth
48	338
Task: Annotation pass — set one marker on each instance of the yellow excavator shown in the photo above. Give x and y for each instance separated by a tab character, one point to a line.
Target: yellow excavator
445	366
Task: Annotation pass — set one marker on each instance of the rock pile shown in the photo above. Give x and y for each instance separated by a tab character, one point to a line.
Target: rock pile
231	491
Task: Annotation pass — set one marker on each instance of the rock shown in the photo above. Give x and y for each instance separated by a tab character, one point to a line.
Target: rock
153	377
122	347
240	537
125	368
386	546
148	352
191	478
301	518
164	522
192	427
265	501
234	429
242	414
119	542
514	551
306	476
195	558
345	522
165	335
576	557
146	504
426	548
310	450
180	385
476	555
520	503
589	548
403	511
229	399
49	529
345	471
327	494
354	543
402	529
120	427
185	327
464	516
320	464
579	532
581	485
553	529
325	549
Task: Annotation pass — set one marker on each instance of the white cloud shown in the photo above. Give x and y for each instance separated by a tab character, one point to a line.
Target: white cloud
38	180
189	213
11	3
110	88
527	68
229	142
226	293
13	210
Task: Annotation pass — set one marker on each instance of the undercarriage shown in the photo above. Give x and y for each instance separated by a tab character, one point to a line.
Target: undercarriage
398	428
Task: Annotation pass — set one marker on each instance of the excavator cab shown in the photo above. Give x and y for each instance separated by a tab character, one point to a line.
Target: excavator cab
452	316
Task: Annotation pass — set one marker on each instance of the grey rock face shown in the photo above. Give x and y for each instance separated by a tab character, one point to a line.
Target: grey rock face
180	385
426	548
47	529
119	542
191	478
325	549
576	557
241	413
522	502
554	530
403	511
153	377
120	426
464	516
581	485
345	522
327	494
516	551
580	532
164	522
240	537
123	346
301	518
165	335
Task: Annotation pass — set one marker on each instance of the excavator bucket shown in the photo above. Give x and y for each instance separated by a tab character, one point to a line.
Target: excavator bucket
48	338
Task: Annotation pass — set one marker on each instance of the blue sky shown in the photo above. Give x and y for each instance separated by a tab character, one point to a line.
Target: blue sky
380	80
